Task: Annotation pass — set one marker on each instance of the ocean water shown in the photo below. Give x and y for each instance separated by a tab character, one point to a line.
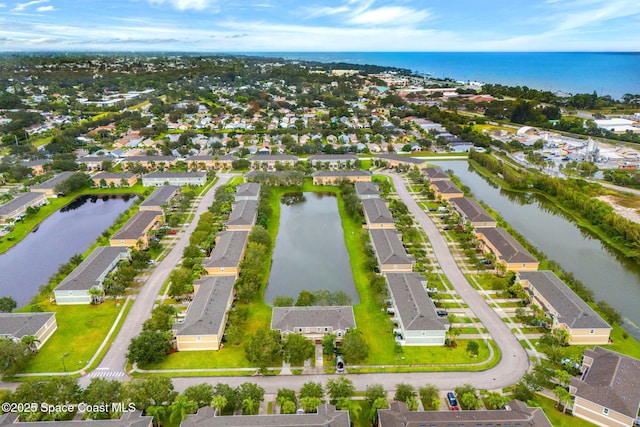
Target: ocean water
606	73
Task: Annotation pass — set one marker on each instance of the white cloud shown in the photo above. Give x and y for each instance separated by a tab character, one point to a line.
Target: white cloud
22	6
45	9
2	5
187	4
389	15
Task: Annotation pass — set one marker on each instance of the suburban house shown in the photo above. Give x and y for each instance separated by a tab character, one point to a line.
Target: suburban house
115	179
160	197
401	161
227	254
608	391
269	161
567	310
36	166
331	177
15	326
93	162
435	174
19	205
518	415
205	162
128	419
325	416
414	312
377	214
243	215
390	252
248	191
506	249
472	212
203	326
367	190
313	322
149	162
135	233
332	161
460	146
156	179
446	189
48	187
91	272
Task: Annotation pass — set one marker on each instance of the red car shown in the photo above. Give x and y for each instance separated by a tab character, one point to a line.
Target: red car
173	232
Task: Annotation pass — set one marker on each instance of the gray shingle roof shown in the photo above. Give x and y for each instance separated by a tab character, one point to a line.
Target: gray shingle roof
613	381
156	159
510	250
435	173
113	175
377	212
135	227
571	308
471	210
128	419
273	158
388	247
208	308
170	175
402	159
415	309
228	250
332	157
86	275
50	184
202	158
398	415
346	172
446	187
18	325
326	416
367	189
18	202
250	189
160	196
244	213
288	318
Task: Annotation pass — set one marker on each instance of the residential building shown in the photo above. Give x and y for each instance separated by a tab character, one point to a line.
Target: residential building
325	416
93	162
608	391
227	254
460	146
367	190
136	232
149	162
313	322
243	215
472	212
36	166
18	206
128	419
415	313
206	162
16	326
48	187
156	179
390	252
248	191
518	414
377	214
91	272
393	160
332	161
271	161
445	189
203	326
435	174
331	177
160	197
567	310
115	179
506	249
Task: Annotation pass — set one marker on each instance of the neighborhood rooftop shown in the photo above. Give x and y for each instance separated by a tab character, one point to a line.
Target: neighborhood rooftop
377	212
160	196
19	201
170	175
471	210
508	247
207	310
446	186
366	189
325	416
250	189
388	247
128	419
338	173
435	173
50	184
405	159
228	250
90	271
415	308
244	213
336	317
136	226
19	325
112	175
570	308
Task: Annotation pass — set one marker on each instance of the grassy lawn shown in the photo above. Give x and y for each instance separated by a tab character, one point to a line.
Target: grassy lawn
557	418
81	330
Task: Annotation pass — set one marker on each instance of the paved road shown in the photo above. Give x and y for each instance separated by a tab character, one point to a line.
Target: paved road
112	365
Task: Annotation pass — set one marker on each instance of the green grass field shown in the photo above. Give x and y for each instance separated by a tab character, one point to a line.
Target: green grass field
557	418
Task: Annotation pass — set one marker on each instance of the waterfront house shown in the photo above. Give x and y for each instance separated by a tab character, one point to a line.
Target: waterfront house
271	161
390	252
445	189
506	249
16	326
160	197
367	190
435	174
227	254
377	214
472	212
48	187
115	179
403	162
18	206
333	177
149	162
243	215
248	191
136	232
313	322
156	179
332	161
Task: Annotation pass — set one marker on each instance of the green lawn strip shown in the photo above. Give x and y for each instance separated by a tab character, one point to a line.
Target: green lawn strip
557	418
81	330
128	304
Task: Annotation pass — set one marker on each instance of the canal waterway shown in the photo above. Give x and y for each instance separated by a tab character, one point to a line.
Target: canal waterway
310	252
71	230
612	277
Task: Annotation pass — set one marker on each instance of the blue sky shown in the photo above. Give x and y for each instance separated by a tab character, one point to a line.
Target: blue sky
320	25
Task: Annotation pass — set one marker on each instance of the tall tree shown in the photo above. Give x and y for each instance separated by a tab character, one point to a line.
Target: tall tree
297	349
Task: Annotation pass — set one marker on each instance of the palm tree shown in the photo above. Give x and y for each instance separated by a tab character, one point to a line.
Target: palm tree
96	295
564	397
219	403
31	341
157	412
250	406
180	408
